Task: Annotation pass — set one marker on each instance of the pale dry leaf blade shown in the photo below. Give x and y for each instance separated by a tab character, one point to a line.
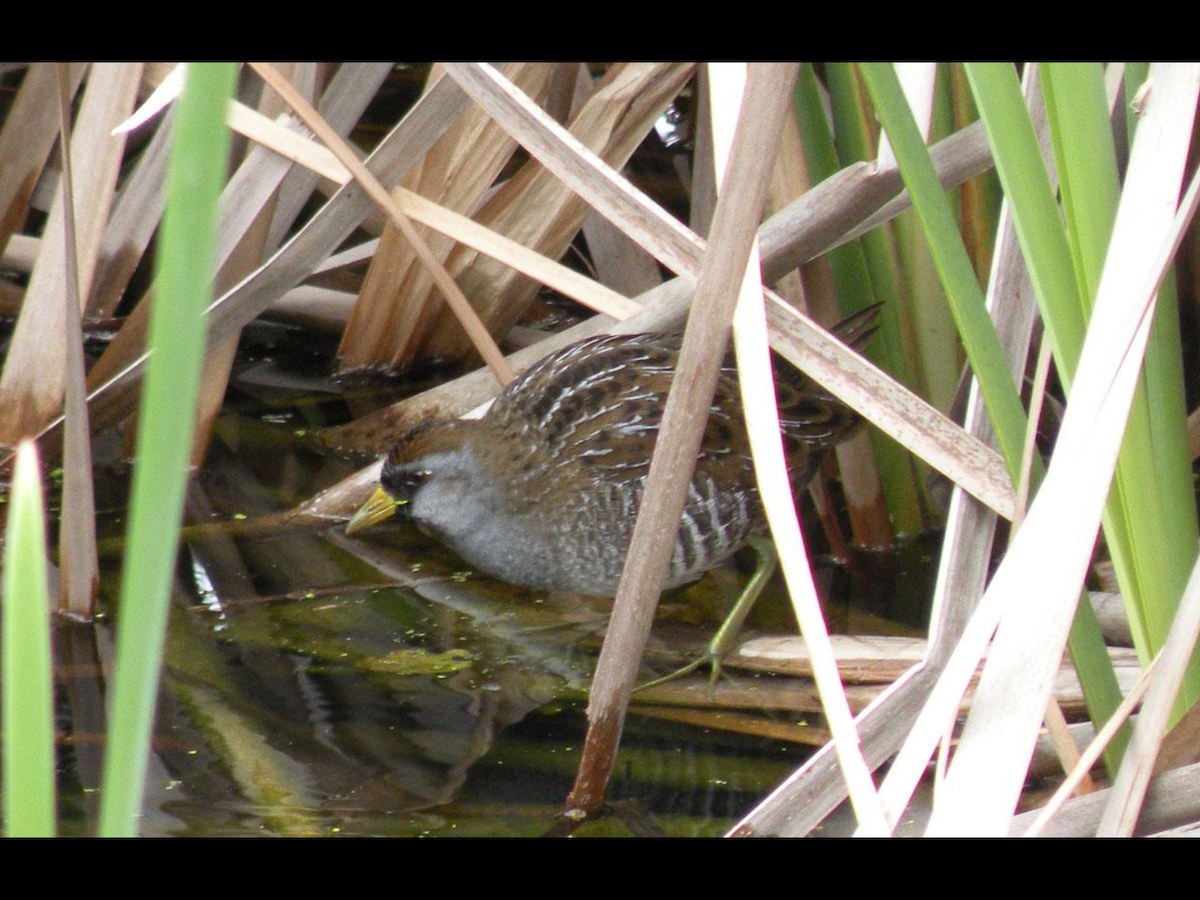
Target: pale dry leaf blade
917	81
553	274
286	141
160	98
134	220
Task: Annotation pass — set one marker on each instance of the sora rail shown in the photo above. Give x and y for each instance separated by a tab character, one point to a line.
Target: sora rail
543	490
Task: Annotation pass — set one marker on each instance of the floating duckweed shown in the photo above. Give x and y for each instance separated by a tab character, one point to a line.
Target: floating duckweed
418	662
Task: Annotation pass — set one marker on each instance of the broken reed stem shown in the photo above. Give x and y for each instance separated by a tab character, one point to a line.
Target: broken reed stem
704	343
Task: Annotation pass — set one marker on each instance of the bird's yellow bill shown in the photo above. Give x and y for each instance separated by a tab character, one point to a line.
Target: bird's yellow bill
380	506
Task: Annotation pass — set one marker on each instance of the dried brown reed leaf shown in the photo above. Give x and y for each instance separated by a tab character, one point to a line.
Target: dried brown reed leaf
455	300
619	263
134	220
401	148
26	140
537	210
457	173
343	102
248	191
31	388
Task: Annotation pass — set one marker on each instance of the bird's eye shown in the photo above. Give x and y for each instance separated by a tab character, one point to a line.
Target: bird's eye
403	483
413	480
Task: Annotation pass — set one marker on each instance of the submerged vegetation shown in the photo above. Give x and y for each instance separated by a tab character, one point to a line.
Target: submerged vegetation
263	246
